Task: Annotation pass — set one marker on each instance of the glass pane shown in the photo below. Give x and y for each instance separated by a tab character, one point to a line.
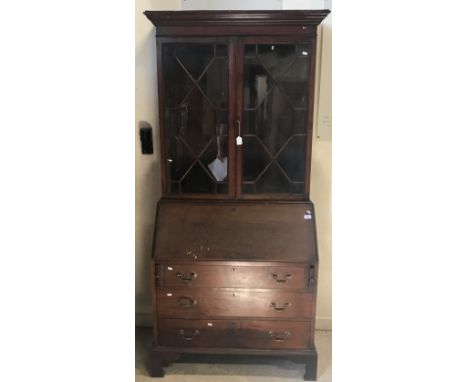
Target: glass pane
198	181
290	159
276	79
276	118
195	57
221	50
180	157
276	58
248	187
297	187
294	82
273	181
300	122
250	50
255	158
176	76
200	127
214	82
195	93
257	83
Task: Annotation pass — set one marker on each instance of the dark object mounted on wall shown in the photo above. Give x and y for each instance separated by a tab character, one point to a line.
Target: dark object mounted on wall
146	138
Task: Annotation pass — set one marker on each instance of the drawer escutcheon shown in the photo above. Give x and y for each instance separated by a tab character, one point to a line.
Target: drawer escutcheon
279	336
189	277
280	308
186	302
285	279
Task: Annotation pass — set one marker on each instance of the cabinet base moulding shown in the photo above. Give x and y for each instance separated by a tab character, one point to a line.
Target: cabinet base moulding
159	357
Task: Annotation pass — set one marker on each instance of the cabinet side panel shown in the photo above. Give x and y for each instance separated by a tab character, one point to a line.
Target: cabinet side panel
162	138
310	116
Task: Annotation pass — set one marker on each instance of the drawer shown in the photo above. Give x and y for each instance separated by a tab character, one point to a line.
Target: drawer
223	302
234	333
235	276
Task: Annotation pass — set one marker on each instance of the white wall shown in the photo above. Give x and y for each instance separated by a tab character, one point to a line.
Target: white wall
232	5
321	171
147	166
321	166
147	173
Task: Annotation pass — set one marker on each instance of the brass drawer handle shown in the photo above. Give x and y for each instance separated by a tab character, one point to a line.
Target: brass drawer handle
189	277
188	337
279	337
280	309
287	277
186	302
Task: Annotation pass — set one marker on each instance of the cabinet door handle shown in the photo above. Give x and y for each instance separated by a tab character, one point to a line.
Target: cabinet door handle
285	279
188	277
279	337
188	337
278	308
186	302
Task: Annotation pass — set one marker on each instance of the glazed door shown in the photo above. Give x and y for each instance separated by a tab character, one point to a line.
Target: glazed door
214	90
194	117
274	112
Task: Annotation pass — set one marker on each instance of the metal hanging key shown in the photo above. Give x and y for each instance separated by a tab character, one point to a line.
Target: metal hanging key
239	138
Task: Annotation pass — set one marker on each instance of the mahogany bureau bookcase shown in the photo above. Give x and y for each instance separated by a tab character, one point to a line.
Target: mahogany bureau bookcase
234	258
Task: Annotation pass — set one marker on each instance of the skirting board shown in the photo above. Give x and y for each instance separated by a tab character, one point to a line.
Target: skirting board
144	320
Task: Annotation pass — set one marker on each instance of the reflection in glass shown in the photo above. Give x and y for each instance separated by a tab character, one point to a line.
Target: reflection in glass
195	96
276	79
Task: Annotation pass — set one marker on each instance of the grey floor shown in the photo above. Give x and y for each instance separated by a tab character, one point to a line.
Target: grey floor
273	370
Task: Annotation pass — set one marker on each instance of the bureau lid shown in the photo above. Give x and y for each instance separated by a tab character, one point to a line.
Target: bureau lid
270	231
